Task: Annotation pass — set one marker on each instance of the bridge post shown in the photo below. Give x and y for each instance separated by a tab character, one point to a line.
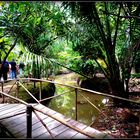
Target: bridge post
75	104
29	121
17	88
2	83
40	94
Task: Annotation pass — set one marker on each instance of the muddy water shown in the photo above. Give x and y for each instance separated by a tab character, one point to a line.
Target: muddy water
66	104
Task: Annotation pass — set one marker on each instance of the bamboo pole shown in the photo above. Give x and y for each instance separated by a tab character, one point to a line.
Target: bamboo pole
55	96
69	125
34	84
139	126
17	93
2	89
10	96
29	93
43	123
1	85
93	105
40	91
11	88
84	89
29	121
76	104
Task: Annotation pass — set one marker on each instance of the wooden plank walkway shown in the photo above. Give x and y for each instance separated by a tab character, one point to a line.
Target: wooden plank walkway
17	124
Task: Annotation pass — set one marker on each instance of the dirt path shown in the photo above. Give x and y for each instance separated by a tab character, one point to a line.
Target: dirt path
6	87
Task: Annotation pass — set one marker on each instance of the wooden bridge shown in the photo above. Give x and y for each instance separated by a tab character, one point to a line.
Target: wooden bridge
25	120
42	123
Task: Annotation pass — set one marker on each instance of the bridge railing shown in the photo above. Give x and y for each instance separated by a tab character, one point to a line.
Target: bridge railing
30	108
79	88
76	88
77	92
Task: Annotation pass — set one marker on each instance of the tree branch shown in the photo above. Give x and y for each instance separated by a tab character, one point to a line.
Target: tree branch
52	60
105	43
11	47
115	36
108	27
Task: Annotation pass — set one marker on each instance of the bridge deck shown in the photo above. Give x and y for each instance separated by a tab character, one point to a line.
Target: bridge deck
17	124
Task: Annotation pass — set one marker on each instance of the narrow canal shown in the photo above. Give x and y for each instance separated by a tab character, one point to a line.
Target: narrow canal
66	105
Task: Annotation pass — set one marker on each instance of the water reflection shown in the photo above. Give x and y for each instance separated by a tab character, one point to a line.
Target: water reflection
86	113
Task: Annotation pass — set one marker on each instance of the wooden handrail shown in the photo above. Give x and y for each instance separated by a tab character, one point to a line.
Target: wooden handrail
93	105
5	81
65	123
29	92
76	97
84	89
11	87
43	123
55	96
31	108
19	100
40	92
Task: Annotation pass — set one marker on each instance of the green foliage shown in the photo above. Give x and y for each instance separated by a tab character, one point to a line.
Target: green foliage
106	33
100	36
135	75
40	28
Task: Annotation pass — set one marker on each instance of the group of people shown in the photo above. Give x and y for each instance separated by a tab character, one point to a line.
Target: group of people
11	68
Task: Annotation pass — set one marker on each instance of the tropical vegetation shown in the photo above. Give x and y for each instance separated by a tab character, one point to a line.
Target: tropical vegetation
84	37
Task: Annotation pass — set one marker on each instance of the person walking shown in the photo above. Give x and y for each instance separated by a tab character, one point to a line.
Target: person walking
13	69
21	68
4	70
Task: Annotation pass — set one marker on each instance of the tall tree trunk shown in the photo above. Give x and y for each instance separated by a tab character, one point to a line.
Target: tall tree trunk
117	83
118	89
